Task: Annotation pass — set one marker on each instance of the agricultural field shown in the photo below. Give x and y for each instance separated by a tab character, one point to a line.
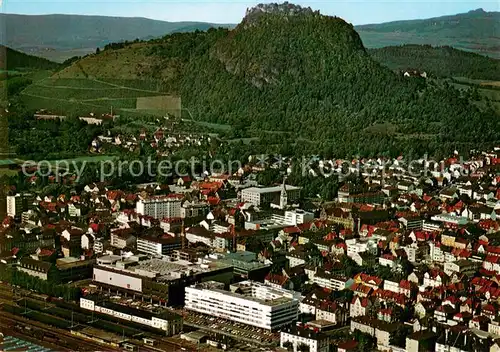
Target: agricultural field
487	89
84	95
141	84
480	82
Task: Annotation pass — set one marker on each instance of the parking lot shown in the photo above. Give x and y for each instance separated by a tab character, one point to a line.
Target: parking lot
237	330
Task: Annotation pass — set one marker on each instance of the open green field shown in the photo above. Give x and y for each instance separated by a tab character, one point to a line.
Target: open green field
487	89
146	84
84	95
481	82
61	106
490	90
75	83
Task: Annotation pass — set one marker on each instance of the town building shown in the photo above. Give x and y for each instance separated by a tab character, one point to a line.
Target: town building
297	337
269	195
158	279
247	302
158	245
159	207
169	323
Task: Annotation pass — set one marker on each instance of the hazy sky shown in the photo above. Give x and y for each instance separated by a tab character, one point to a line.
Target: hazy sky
231	11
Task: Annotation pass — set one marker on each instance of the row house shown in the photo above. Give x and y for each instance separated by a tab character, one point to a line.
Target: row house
381	330
332	311
466	267
360	306
327	280
434	278
403	287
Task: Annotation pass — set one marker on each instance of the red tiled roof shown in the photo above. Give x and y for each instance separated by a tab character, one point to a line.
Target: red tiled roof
405	284
276	279
374	280
213	200
348	345
492	258
291	230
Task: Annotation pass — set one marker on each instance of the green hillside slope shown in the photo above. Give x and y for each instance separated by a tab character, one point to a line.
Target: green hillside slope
305	74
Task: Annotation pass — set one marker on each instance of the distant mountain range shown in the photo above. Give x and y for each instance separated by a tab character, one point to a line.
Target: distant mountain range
477	31
59	37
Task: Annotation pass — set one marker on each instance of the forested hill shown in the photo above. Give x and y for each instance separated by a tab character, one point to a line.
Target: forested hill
476	31
305	74
438	61
12	59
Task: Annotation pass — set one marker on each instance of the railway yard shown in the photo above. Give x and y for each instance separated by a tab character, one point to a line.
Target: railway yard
63	326
59	325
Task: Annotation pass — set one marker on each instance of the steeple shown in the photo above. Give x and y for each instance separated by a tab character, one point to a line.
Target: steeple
183	235
283	195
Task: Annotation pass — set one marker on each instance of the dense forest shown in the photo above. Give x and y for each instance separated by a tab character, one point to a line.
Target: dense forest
45	140
310	76
438	61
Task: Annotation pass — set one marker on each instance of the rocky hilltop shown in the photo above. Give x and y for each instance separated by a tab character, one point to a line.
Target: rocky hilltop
306	74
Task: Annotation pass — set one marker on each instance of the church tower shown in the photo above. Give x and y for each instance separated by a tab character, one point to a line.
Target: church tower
283	195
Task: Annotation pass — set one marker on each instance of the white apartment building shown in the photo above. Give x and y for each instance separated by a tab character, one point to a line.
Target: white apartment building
298	216
14	205
278	221
98	246
447	348
432	226
121	239
159	207
414	223
358	245
329	281
316	341
248	302
158	246
439	256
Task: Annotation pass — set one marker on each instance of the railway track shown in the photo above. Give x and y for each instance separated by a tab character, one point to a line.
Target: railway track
66	340
12	296
164	343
